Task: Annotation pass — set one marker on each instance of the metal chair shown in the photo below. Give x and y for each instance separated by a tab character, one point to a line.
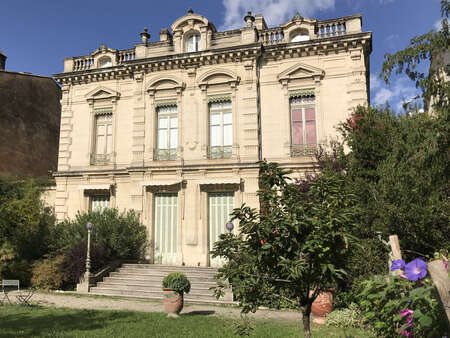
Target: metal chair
25	297
7	285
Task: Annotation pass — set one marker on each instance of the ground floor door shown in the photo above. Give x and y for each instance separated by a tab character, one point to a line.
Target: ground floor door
165	228
220	206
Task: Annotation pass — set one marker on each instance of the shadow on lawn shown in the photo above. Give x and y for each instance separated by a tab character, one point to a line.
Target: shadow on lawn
199	313
35	321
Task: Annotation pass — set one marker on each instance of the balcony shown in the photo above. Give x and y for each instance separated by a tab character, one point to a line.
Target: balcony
298	150
165	154
218	152
100	159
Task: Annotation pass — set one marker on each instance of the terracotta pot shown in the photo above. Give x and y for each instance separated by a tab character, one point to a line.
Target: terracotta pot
322	306
173	302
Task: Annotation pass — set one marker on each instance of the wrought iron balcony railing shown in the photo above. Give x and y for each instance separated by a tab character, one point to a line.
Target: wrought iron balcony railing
217	152
100	159
303	149
165	154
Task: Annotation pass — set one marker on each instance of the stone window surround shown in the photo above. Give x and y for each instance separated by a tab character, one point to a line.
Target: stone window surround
105	101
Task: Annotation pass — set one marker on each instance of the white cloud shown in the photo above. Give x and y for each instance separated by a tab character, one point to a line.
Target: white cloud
438	25
275	12
400	91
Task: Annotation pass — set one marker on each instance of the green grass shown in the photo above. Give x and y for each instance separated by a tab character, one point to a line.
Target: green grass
20	321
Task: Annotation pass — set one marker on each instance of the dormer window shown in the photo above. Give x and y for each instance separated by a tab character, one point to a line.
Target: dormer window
192	43
104	62
300	37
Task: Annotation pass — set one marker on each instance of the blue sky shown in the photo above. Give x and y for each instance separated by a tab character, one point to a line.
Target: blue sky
37	34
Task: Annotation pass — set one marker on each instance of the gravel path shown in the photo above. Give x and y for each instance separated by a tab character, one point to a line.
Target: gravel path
76	301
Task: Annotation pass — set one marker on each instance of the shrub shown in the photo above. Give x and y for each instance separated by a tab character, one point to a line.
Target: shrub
121	234
382	299
177	281
48	274
349	317
74	262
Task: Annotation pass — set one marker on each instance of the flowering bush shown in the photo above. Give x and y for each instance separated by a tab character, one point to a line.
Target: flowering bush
406	304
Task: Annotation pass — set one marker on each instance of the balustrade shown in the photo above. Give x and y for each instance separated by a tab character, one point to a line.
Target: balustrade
83	63
273	36
331	28
126	55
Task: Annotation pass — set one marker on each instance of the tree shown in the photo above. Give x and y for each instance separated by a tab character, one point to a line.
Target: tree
295	247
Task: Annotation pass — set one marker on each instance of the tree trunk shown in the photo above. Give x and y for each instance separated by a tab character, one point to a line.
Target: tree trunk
306	315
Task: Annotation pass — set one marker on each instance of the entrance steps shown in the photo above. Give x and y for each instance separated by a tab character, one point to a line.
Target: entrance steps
144	281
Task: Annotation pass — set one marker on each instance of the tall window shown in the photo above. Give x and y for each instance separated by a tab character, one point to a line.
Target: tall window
303	125
167	142
193	43
221	130
102	139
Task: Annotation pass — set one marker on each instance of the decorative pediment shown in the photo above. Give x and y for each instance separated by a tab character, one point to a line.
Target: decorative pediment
301	71
166	82
103	49
218	76
191	20
102	93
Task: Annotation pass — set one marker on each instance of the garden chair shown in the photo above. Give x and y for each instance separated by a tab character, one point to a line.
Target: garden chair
24	298
7	286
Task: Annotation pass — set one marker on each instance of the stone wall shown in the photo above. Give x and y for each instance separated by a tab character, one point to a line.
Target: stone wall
30	112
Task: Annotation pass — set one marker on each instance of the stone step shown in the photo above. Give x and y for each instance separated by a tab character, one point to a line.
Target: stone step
156	281
153	286
169	267
192	279
165	273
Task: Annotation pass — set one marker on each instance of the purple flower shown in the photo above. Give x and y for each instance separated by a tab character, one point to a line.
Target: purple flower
408	313
446	265
398	264
416	269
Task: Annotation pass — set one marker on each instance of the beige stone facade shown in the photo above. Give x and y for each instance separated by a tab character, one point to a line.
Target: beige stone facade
175	128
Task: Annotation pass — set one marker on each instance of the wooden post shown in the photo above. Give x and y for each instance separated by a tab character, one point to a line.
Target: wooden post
440	279
395	247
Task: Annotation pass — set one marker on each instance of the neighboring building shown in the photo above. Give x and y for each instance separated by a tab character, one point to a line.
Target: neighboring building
30	112
175	128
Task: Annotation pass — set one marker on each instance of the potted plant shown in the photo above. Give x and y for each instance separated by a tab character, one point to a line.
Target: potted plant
175	285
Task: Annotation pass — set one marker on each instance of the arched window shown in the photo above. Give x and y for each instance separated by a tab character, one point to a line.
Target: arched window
192	43
300	37
104	62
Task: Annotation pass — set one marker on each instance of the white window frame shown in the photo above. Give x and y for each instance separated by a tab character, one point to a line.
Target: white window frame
92	199
220	150
304	148
103	156
166	152
195	39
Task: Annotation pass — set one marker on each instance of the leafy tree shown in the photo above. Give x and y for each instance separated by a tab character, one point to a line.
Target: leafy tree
25	226
296	247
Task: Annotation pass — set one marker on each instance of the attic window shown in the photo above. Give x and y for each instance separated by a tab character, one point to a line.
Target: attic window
104	62
300	37
192	43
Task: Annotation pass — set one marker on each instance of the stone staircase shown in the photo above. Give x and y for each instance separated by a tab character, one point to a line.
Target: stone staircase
144	281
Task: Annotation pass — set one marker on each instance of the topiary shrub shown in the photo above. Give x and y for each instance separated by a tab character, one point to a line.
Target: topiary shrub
48	274
178	282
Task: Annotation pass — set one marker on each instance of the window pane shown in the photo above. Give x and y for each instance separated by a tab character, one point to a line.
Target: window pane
228	135
216	137
100	144
297	132
311	132
296	114
162	139
162	122
215	119
174	122
108	144
173	138
310	114
227	118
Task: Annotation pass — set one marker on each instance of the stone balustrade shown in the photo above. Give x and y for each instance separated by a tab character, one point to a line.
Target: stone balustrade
126	55
83	63
331	28
271	36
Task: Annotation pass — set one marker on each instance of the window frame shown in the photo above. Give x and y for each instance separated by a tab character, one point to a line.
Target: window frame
104	157
97	195
168	154
305	148
196	43
222	150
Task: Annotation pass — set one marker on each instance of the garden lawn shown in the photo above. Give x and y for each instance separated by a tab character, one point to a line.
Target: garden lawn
20	321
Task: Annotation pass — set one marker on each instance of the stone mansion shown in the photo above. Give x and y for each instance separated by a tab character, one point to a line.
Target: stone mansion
174	128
